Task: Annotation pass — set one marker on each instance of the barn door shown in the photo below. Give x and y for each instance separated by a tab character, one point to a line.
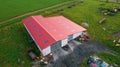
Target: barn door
56	46
70	37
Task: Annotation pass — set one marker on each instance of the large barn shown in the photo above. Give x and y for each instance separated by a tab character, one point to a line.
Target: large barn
51	33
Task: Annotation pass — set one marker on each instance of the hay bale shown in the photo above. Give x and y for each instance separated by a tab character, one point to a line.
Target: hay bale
85	24
105	13
115	10
117	45
119	41
102	20
104	28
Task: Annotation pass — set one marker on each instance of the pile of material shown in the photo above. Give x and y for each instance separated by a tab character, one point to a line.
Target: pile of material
117	43
84	37
110	11
102	20
85	24
44	60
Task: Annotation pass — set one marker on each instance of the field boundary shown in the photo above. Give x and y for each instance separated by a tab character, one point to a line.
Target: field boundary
36	11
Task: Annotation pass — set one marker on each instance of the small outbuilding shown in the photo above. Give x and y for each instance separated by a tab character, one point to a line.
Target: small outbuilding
51	33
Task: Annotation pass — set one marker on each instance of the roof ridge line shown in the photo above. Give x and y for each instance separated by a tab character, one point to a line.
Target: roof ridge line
43	27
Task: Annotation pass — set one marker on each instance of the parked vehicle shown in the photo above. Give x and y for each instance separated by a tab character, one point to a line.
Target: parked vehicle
95	61
32	54
93	65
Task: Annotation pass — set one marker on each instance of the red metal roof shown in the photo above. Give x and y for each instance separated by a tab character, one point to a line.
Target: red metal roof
46	31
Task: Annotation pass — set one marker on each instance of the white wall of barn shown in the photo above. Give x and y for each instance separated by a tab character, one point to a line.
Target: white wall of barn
46	51
76	35
64	42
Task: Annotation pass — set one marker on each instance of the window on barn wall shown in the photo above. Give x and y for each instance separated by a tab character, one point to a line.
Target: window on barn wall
33	26
56	46
70	37
40	35
37	31
30	22
46	41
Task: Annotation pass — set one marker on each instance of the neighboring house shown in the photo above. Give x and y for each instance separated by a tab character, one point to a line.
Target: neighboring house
51	33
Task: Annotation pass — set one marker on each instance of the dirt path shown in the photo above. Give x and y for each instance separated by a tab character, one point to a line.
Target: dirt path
29	13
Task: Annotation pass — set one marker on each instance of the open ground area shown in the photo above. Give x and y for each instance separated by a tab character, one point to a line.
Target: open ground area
74	58
14	39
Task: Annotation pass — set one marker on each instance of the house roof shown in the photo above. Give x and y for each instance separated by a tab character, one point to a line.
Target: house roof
46	31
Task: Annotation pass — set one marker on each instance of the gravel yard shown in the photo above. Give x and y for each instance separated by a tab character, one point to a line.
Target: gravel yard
74	57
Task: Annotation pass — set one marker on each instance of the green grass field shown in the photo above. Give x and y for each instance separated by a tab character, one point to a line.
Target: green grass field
13	44
12	8
14	38
88	12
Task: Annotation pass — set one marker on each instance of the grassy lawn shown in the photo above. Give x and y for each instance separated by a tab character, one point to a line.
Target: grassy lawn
13	45
14	38
109	58
12	8
89	12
